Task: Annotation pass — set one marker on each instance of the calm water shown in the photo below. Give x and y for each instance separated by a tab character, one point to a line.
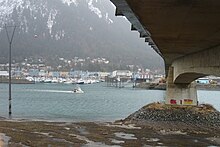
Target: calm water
98	103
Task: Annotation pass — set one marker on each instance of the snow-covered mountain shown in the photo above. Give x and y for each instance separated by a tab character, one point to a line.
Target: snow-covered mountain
43	8
72	28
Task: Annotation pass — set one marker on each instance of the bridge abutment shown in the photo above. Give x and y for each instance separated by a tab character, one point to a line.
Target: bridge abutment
180	94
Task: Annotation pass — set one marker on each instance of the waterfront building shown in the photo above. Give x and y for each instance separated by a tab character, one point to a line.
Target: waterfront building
102	75
64	74
55	74
17	73
122	73
34	72
4	74
42	73
76	74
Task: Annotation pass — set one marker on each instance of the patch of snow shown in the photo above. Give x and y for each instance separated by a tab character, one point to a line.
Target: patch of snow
69	2
94	9
108	19
51	20
7	8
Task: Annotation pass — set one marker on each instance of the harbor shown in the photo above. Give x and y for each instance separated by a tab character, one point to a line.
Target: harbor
97	103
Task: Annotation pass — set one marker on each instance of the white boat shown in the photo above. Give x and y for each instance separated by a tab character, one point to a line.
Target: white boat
30	79
68	81
80	81
78	90
54	80
47	80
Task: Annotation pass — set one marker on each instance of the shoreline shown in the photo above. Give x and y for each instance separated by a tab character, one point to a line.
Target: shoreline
162	86
129	132
15	81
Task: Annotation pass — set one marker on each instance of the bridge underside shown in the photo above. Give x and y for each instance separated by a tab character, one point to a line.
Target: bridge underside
176	27
186	33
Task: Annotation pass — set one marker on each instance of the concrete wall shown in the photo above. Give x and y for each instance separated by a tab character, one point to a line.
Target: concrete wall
196	65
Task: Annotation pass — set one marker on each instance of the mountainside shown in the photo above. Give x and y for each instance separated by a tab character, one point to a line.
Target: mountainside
70	28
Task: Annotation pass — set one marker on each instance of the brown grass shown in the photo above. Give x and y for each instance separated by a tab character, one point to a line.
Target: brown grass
202	108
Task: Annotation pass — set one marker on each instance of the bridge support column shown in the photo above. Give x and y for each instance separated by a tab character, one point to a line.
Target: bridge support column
180	94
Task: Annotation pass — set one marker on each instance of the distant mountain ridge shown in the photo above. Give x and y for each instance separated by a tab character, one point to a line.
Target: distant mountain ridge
69	28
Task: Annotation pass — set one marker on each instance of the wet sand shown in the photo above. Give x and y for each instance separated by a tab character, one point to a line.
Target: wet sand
54	134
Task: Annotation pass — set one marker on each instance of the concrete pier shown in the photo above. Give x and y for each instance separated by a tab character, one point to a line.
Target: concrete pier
180	94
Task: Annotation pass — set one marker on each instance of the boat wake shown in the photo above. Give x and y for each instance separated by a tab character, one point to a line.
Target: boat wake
50	91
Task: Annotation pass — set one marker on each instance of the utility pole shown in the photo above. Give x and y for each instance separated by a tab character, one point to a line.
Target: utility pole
10	40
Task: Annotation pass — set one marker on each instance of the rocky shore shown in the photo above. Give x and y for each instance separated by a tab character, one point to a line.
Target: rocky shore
151	86
203	118
202	114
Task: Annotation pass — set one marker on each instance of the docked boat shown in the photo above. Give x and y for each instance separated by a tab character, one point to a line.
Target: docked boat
47	80
80	81
78	90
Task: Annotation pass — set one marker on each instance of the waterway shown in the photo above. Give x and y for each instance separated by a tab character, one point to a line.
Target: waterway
56	102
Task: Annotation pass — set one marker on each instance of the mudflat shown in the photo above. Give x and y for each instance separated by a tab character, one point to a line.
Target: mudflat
198	127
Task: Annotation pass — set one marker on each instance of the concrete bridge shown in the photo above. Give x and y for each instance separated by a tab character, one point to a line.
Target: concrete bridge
186	33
